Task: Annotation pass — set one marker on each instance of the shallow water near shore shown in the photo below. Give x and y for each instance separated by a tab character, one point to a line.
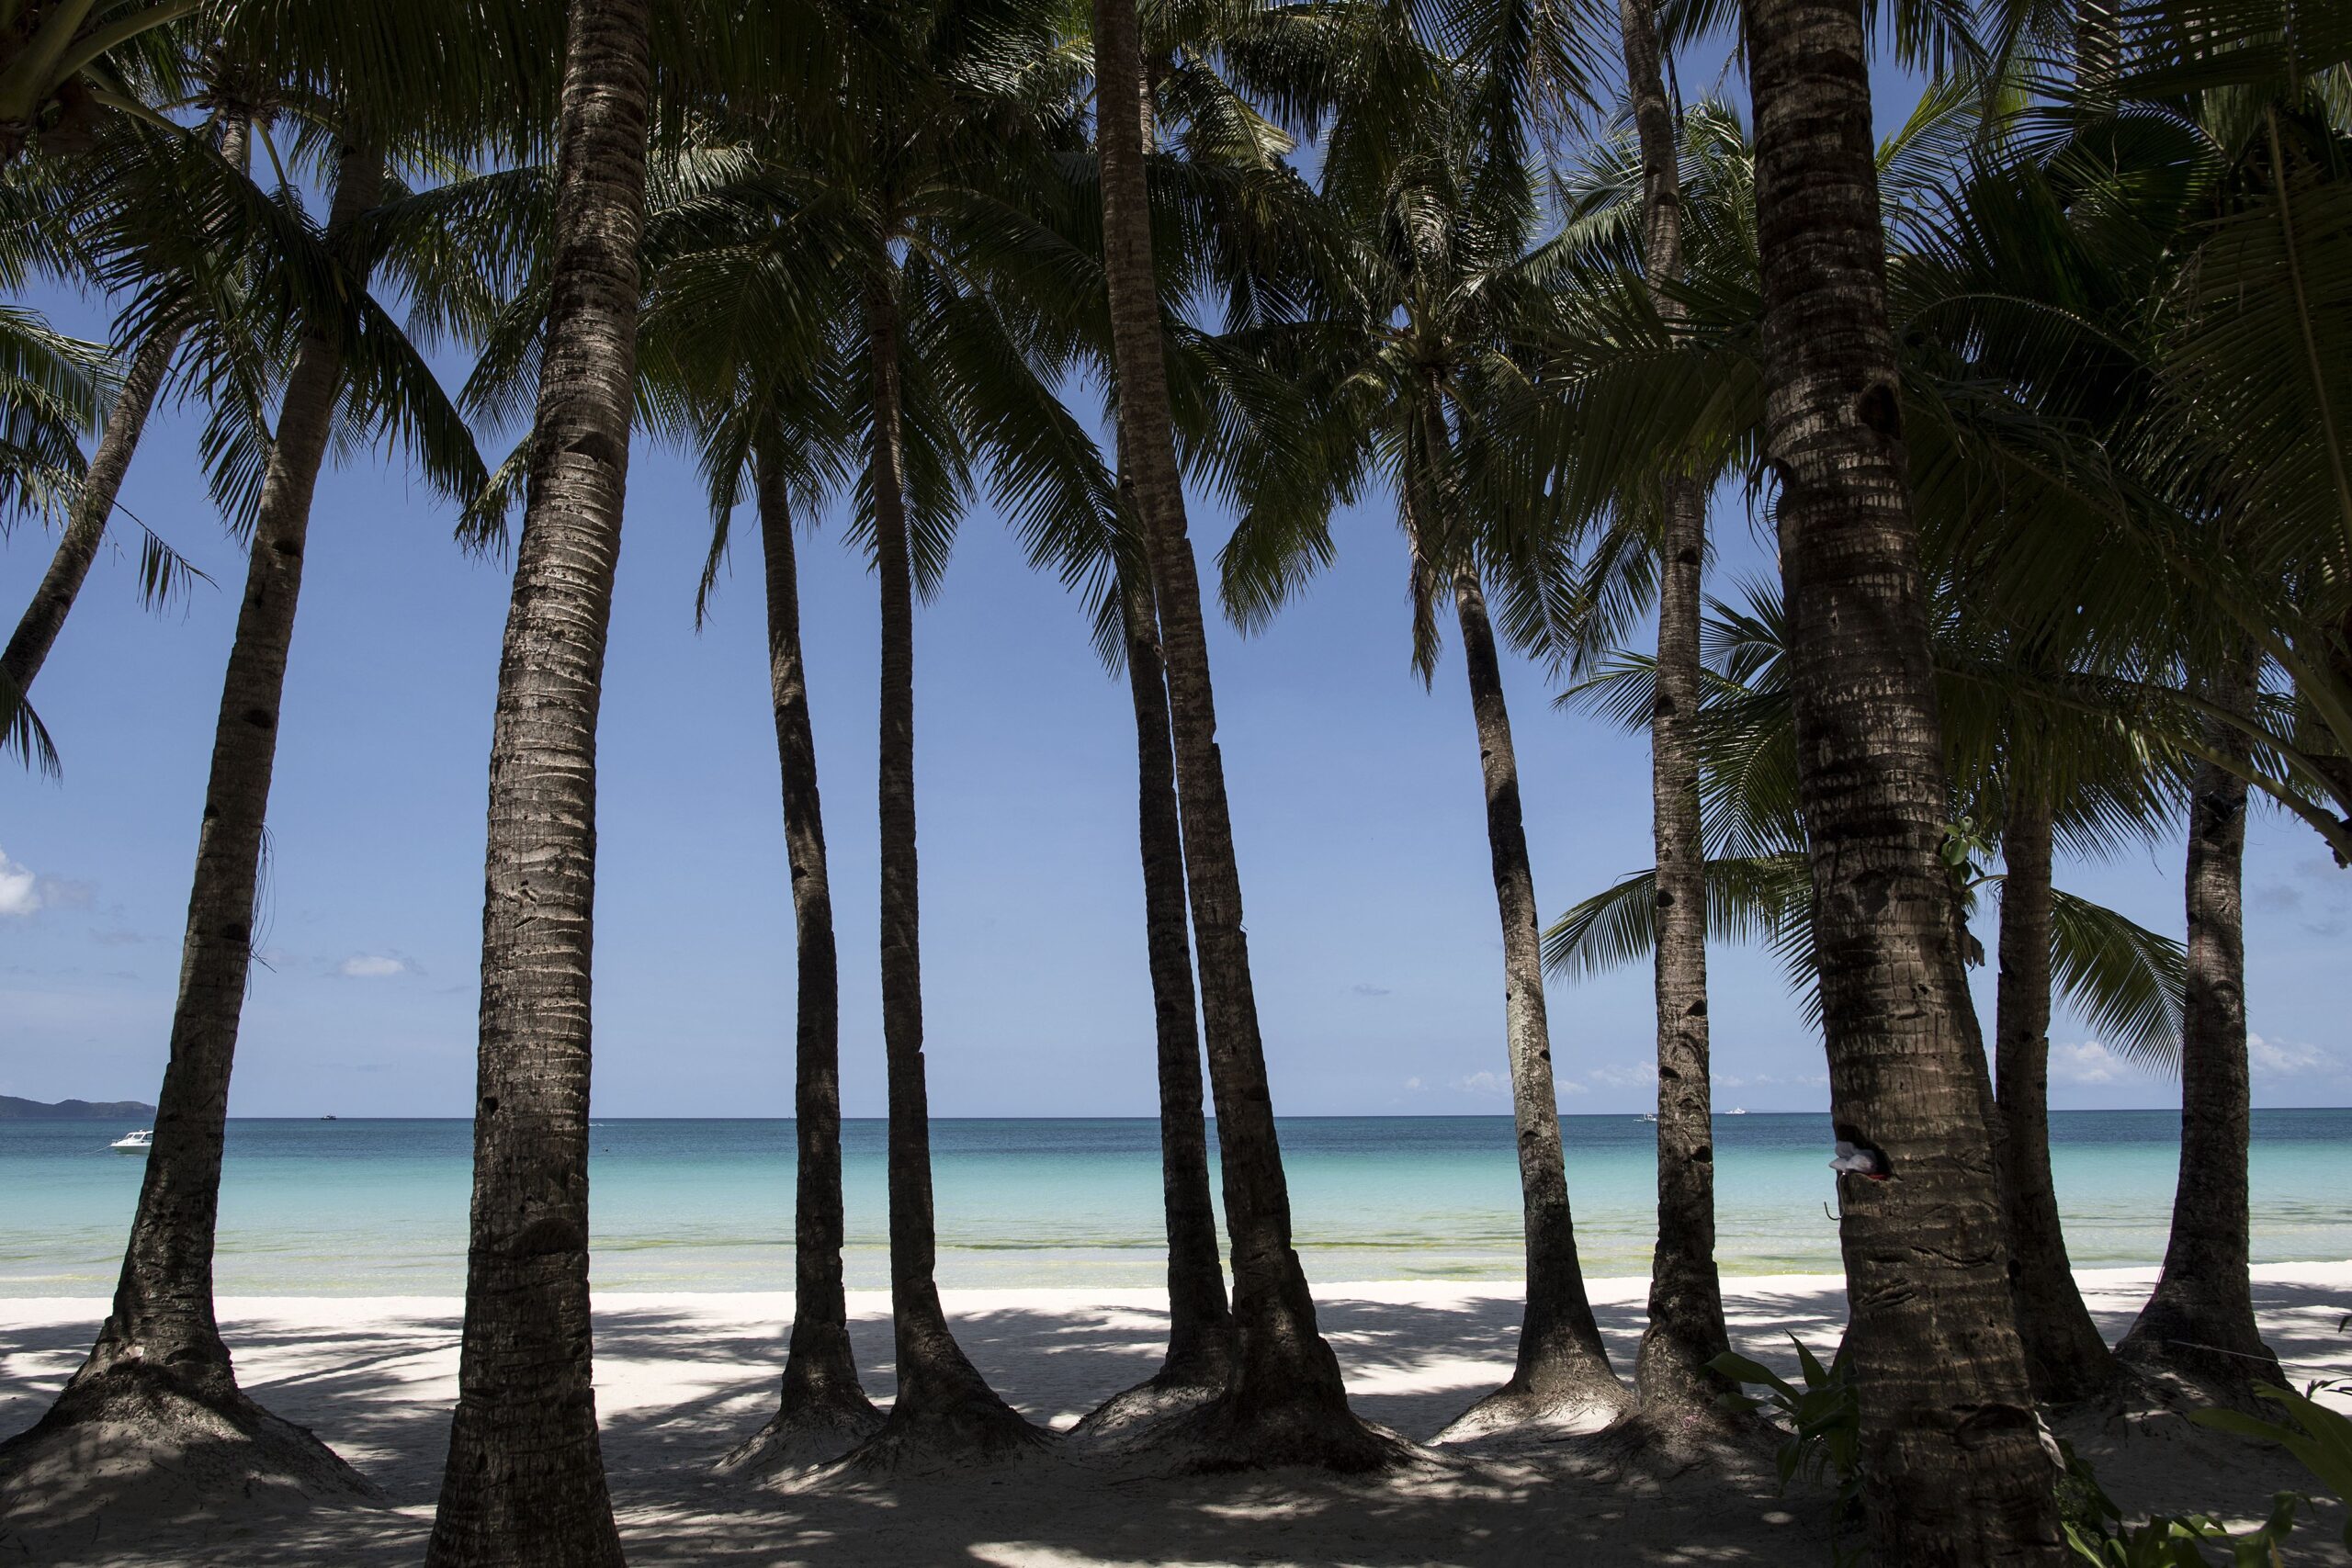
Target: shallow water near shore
379	1207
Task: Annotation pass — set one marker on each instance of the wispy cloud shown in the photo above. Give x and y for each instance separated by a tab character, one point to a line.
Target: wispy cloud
1625	1074
1483	1084
1366	988
372	966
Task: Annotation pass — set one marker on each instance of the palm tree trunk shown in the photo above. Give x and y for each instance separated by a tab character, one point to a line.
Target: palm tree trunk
2065	1355
1956	1472
2200	1322
1287	1402
1686	1328
824	1411
1200	1326
86	526
1200	1321
525	1477
160	1359
943	1403
1563	1371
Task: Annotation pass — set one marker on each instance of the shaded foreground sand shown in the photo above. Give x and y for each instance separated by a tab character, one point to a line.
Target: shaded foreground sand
682	1378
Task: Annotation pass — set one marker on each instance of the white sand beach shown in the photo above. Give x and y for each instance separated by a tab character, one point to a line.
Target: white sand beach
681	1378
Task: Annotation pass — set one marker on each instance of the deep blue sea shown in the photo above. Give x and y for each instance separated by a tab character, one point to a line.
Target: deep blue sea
379	1208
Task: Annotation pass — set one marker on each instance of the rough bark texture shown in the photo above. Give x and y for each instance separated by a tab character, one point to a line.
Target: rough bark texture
1956	1474
1686	1329
1286	1404
160	1360
2065	1355
945	1409
1563	1372
525	1477
824	1412
2200	1322
1200	1323
86	526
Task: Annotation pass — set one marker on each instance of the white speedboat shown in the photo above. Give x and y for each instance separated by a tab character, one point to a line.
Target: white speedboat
135	1143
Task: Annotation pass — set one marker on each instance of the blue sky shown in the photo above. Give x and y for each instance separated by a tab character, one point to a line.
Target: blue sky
1356	799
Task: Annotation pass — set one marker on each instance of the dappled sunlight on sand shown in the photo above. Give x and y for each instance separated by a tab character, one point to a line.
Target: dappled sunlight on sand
681	1378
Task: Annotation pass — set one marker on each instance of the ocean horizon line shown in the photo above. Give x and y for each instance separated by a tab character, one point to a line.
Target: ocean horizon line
1282	1116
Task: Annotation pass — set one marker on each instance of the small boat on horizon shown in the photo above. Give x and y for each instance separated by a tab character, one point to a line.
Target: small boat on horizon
135	1143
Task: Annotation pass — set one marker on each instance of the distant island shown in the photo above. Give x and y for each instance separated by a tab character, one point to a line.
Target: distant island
15	1110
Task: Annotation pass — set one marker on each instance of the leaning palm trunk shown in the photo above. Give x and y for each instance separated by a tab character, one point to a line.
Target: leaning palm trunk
159	1380
2200	1322
1955	1471
1200	1326
525	1480
1563	1372
1679	1395
1287	1402
85	526
2065	1355
824	1412
944	1406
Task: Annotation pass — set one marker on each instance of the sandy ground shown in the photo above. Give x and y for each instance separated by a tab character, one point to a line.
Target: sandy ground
681	1378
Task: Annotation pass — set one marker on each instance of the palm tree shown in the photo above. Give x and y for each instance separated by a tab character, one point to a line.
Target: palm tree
2199	1321
1405	374
2023	750
160	1374
1285	1402
824	1411
525	1477
734	364
62	67
85	524
92	512
1200	1345
1685	1330
948	113
52	389
1954	1471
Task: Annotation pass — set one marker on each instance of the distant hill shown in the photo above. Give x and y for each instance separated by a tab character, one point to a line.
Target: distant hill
15	1110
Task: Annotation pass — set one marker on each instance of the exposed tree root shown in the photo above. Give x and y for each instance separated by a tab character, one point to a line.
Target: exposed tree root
130	1443
803	1435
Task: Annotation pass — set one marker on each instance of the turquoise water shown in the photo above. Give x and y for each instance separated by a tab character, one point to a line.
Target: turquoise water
379	1208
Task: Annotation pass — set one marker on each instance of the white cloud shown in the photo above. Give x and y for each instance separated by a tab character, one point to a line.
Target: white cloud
2086	1062
370	966
19	888
1484	1083
2279	1056
1414	1084
1631	1075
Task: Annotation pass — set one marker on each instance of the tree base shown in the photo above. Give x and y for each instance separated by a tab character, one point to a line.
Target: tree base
1127	1420
138	1448
804	1435
2216	1357
959	1430
1227	1432
1560	1408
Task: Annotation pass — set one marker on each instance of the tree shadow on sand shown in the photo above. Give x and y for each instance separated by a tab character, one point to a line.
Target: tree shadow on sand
681	1381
